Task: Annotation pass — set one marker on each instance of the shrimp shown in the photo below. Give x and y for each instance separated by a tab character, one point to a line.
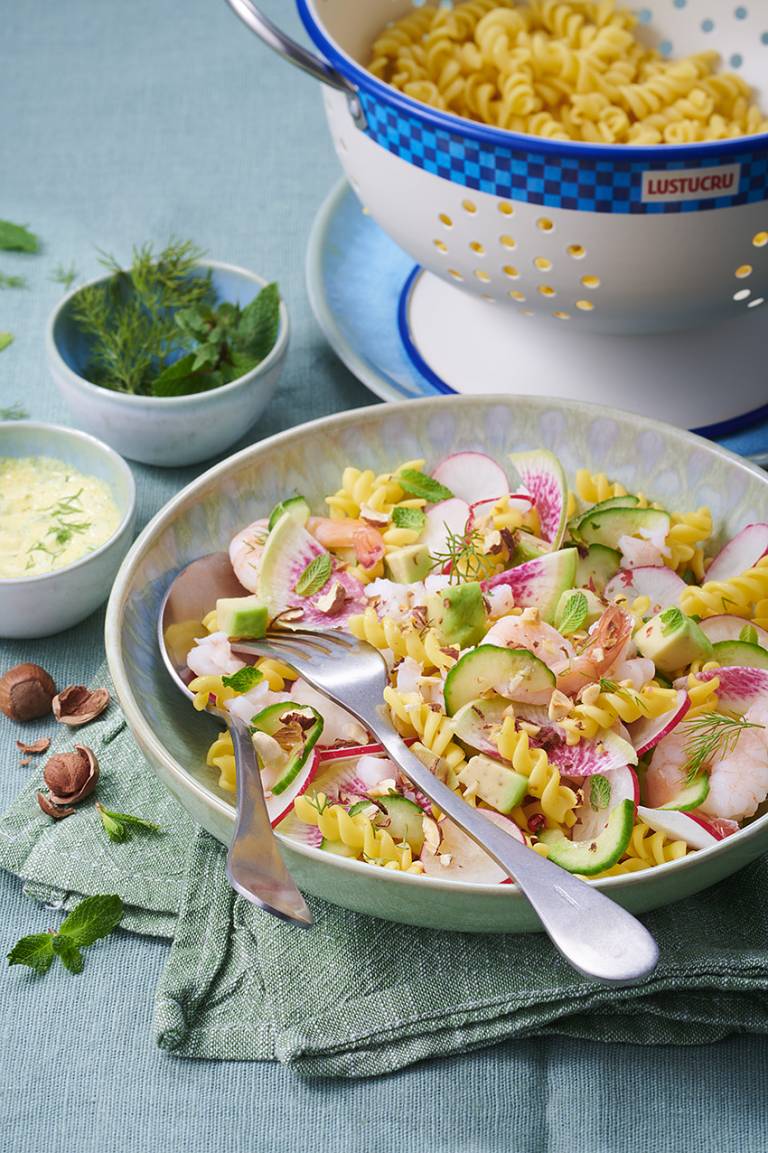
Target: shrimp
538	638
245	553
608	643
212	656
367	541
738	781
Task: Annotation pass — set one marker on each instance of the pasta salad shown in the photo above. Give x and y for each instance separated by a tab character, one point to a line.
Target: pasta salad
580	663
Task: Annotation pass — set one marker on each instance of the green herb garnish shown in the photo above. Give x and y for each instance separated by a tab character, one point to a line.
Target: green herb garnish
599	792
315	575
17	238
463	558
574	614
93	918
118	825
6	338
7	281
672	620
420	485
709	735
412	518
15	412
65	276
749	635
244	679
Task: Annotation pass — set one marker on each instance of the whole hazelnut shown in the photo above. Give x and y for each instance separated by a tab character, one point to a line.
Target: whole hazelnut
71	776
26	692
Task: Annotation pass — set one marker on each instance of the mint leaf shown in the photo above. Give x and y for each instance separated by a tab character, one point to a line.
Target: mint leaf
243	679
259	324
7	281
749	635
35	951
116	824
599	792
315	575
419	484
412	518
573	615
6	338
172	381
68	953
17	238
672	621
93	918
15	412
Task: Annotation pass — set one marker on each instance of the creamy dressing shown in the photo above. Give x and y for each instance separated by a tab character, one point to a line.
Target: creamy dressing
51	515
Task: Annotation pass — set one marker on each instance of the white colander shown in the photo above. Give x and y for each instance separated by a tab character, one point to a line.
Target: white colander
613	238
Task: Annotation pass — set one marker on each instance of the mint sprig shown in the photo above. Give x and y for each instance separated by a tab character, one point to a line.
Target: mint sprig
574	613
17	238
244	679
412	518
599	792
6	338
420	485
671	621
118	826
94	918
315	575
749	635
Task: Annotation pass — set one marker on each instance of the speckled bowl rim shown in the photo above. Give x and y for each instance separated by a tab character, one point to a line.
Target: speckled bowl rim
122	466
170	402
153	747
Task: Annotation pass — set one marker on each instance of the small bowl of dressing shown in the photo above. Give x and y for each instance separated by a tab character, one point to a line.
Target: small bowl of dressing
67	507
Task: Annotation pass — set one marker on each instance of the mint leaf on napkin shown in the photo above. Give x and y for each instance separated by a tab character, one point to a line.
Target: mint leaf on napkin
118	825
93	918
17	238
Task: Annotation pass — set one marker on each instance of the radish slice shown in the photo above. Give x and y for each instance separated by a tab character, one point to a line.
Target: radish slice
590	821
725	628
741	553
279	805
351	752
601	755
449	516
542	475
521	502
540	582
645	734
719	827
472	476
678	826
658	582
740	686
465	860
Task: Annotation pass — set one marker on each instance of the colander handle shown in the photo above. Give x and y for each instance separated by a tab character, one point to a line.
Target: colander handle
295	54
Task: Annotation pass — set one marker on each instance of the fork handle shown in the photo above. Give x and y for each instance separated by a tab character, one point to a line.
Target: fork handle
593	933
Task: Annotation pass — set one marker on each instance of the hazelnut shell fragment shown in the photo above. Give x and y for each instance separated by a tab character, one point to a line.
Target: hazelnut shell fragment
26	692
77	705
40	746
58	812
71	777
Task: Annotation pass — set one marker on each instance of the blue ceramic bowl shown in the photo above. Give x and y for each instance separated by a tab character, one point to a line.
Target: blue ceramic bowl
166	431
38	606
674	467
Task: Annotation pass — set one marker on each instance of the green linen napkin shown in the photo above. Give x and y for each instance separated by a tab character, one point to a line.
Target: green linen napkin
355	996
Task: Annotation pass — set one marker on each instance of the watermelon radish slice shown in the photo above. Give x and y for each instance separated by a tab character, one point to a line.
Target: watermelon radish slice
725	628
658	582
646	733
449	516
592	815
521	502
246	551
678	826
740	686
289	550
472	476
542	475
601	755
741	553
468	862
540	582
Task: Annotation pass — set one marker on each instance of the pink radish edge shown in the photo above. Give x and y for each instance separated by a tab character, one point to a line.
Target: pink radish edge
742	552
472	476
646	733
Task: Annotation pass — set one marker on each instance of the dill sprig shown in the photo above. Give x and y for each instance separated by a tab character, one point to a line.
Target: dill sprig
15	412
8	281
463	557
65	275
709	735
130	321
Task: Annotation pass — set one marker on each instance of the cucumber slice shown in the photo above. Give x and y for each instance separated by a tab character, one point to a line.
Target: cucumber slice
477	721
488	667
495	783
742	653
295	505
593	856
598	566
606	527
690	797
273	718
627	501
406	820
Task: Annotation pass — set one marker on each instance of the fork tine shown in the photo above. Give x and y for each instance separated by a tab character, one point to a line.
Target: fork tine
328	639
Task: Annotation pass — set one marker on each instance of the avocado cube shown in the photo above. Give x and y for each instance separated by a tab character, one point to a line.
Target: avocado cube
497	785
458	614
672	640
409	564
242	617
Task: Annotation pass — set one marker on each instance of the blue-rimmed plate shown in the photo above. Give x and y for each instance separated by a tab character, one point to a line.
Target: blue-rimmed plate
363	291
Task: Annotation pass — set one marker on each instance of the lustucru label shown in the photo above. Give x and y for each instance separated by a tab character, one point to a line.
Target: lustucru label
691	184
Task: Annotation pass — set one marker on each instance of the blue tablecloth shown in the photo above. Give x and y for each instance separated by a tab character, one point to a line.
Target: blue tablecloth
118	125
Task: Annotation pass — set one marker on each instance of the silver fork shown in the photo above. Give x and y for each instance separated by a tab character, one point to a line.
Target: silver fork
595	935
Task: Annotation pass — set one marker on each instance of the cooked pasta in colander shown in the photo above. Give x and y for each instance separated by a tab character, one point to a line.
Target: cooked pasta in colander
571	70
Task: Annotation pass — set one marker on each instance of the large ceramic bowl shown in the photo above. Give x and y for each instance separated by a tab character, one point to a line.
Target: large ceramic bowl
672	466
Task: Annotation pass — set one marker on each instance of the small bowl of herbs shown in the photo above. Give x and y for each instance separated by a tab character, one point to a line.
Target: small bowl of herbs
171	360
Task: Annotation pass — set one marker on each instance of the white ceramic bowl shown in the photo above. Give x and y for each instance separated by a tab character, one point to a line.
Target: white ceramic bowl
167	431
39	606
